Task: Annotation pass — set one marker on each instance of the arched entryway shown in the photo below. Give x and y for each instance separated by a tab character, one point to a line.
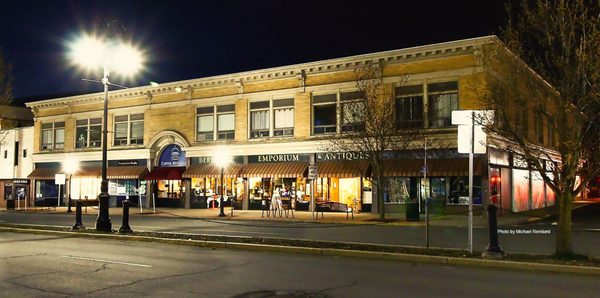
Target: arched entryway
168	188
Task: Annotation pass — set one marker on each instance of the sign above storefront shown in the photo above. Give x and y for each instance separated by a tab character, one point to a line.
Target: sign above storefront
341	156
21	181
172	156
265	158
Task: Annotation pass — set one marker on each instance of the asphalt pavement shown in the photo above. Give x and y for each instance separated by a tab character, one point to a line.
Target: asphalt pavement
523	238
61	266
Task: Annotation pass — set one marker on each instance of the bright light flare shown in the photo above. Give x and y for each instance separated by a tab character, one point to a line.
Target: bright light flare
70	166
222	157
87	52
93	53
126	59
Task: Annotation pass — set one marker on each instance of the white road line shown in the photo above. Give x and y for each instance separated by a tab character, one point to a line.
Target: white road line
106	261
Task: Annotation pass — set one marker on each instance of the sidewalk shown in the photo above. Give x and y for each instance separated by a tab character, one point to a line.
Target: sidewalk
305	216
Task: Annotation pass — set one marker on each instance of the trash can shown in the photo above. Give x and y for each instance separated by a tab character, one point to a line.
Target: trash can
412	211
10	204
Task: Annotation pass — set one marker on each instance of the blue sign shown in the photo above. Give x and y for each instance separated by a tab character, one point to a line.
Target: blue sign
172	156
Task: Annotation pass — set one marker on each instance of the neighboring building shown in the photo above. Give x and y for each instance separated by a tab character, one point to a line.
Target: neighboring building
272	122
16	147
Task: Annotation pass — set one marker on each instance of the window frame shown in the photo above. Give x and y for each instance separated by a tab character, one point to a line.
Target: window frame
129	141
400	98
52	130
287	131
260	132
433	100
355	126
326	128
88	129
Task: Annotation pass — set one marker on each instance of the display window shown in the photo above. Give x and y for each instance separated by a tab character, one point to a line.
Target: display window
46	189
520	190
84	188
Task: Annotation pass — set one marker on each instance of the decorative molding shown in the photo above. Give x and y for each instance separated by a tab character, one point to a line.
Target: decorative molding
420	53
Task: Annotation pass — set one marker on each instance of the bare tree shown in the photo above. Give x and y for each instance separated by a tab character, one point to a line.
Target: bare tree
560	41
368	126
6	81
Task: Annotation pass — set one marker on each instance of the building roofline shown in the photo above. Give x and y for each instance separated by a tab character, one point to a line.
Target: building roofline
288	71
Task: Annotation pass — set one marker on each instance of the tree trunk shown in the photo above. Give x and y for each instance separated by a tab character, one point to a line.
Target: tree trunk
380	199
563	233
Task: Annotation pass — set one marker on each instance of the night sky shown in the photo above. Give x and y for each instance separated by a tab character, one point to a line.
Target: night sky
193	39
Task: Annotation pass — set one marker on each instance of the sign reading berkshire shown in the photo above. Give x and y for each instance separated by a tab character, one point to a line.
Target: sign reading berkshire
172	156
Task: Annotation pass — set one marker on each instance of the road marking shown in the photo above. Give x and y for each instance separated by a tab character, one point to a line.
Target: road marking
106	261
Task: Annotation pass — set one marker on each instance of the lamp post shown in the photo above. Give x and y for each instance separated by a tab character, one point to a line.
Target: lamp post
109	55
222	158
70	166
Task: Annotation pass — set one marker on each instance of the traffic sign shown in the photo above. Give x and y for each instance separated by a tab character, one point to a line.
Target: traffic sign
312	172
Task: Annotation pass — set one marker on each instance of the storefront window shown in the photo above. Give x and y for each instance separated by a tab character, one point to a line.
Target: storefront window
8	192
537	191
398	190
520	190
459	191
86	188
46	189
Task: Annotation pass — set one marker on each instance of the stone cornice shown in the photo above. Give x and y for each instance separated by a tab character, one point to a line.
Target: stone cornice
419	53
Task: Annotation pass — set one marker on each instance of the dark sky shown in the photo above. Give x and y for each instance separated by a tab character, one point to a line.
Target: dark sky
193	39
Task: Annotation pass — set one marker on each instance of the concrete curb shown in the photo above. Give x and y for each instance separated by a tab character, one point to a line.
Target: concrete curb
416	258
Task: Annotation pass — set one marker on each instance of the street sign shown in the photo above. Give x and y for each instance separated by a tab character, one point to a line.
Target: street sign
464	139
312	172
60	179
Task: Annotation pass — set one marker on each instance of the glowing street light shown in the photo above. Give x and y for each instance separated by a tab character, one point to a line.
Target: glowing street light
92	53
70	166
221	159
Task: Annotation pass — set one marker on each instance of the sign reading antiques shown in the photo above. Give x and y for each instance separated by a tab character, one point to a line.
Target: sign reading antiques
341	156
172	156
264	158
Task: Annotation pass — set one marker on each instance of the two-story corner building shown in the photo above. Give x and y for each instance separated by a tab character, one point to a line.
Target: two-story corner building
272	121
16	149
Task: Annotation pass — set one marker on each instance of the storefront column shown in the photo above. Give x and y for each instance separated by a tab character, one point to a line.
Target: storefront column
188	193
246	195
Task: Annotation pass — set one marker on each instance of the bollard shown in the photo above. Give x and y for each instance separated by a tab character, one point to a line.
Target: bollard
493	250
125	228
78	224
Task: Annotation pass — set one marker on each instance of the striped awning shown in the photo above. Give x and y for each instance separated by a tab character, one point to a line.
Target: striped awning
94	172
208	170
435	167
165	173
343	169
43	173
275	170
127	172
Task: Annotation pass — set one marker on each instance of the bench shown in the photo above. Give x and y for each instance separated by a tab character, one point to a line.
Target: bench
45	202
323	206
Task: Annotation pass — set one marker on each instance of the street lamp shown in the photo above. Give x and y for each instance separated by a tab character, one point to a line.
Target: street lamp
93	53
221	158
70	166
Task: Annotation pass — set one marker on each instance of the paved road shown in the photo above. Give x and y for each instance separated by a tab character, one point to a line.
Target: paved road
53	266
585	242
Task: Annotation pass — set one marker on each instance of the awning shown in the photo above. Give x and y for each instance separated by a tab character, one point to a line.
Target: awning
126	172
166	173
435	167
43	173
343	169
275	170
48	173
208	170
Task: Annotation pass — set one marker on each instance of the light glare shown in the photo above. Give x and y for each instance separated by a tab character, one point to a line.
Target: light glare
87	52
126	59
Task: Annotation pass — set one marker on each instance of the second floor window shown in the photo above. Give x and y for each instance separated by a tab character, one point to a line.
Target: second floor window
259	119
353	111
283	110
53	136
129	130
409	107
88	133
443	99
324	113
224	120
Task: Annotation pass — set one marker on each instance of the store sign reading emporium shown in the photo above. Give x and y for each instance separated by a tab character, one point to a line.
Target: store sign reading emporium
264	158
